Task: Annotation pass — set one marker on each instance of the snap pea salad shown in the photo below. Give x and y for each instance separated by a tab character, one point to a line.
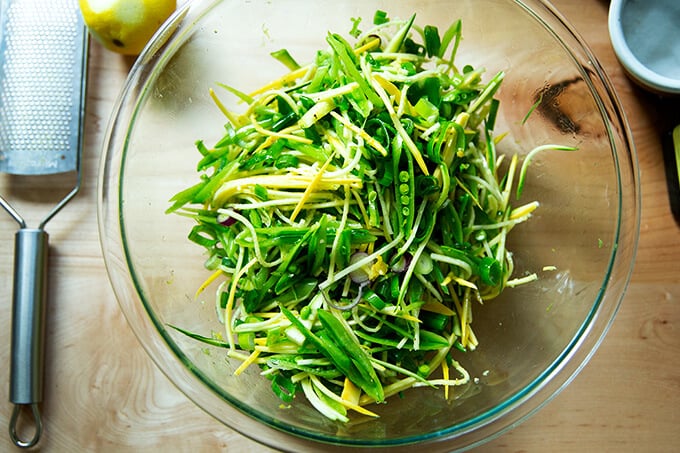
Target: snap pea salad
353	213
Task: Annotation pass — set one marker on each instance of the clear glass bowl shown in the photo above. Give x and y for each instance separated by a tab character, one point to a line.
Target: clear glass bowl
534	339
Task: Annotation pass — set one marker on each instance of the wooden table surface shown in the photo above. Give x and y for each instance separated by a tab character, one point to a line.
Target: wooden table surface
103	393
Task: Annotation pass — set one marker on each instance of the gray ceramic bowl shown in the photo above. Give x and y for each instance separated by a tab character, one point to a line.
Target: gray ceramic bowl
645	35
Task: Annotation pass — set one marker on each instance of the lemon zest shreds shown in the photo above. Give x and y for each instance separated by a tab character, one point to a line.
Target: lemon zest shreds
400	100
271	139
359	409
464	323
438	307
463	282
410	318
523	210
497	139
360	132
378	268
360	205
390	88
311	187
348	404
350	392
269	133
393	310
207	282
445	375
230	116
466	190
246	363
282	81
370	45
448	279
472	338
408	141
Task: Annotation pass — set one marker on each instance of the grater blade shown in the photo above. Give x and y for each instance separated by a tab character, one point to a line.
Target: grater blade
42	67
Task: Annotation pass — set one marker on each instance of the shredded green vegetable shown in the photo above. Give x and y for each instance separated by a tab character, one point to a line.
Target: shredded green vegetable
354	213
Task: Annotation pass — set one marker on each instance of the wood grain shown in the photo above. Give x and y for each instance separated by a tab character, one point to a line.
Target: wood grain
104	394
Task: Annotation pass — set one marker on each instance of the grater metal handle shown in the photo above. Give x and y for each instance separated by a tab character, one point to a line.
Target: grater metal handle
28	328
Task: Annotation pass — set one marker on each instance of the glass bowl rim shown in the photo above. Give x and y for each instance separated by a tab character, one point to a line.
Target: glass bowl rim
167	42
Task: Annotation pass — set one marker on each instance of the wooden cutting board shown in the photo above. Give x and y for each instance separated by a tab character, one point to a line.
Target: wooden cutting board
103	393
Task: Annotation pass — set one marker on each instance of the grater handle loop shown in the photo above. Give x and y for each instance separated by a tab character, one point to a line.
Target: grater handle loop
28	325
14	421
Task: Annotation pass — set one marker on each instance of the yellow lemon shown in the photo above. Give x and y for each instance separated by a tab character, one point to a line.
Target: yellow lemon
125	26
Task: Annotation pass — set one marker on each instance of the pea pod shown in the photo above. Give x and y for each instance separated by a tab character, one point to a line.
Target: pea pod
487	268
350	345
327	348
